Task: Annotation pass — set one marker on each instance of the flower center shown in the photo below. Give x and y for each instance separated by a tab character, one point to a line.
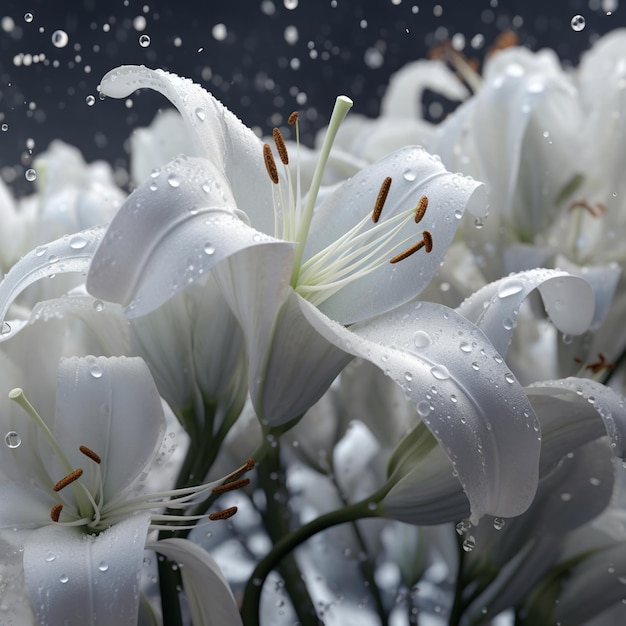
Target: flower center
87	508
368	245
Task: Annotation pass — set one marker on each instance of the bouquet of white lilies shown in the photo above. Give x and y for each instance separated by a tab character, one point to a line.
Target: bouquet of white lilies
278	384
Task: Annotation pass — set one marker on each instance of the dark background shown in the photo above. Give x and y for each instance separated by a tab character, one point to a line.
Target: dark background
254	66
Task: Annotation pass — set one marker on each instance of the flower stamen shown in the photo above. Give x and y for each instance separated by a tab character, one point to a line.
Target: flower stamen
224	514
68	480
381	198
88	452
420	209
281	147
231	486
55	512
270	163
293	118
426	242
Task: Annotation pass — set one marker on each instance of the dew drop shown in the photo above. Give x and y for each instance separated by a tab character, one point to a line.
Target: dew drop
50	556
173	181
144	41
577	23
209	249
475	366
509	378
200	114
60	39
465	346
64	578
498	523
440	372
409	175
40	250
95	371
458	214
510	288
78	242
6	328
469	544
408	376
103	566
421	339
12	439
90	100
423	408
508	323
30	175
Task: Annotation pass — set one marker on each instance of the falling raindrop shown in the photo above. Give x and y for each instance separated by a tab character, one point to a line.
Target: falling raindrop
28	17
144	41
498	523
60	39
90	100
463	526
30	175
578	23
469	544
12	439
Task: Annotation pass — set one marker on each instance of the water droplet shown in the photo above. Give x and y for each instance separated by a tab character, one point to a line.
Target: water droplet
463	526
498	523
98	305
423	408
173	181
90	100
12	439
30	175
209	249
60	39
421	339
144	41
440	372
475	366
458	214
409	175
290	4
408	376
64	578
6	328
509	378
50	556
28	17
577	23
510	288
469	544
567	339
53	258
95	371
478	222
200	114
465	346
5	127
41	250
508	323
78	242
103	566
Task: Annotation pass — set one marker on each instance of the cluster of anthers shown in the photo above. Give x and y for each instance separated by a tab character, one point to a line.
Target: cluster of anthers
359	251
89	509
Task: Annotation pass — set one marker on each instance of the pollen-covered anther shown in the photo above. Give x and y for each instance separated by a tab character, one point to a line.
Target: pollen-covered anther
225	514
293	118
231	486
238	473
55	512
380	199
428	240
68	480
281	147
88	452
408	252
420	209
595	210
270	164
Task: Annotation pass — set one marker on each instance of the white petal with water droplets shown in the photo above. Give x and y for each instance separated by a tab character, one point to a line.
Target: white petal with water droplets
475	408
494	308
211	601
86	580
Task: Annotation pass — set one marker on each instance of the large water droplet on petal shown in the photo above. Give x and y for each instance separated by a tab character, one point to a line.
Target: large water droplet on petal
440	372
95	371
421	339
510	288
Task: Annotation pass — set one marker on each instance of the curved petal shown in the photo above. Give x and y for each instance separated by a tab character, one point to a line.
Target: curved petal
80	580
494	308
414	173
464	393
218	134
112	406
211	601
574	411
30	507
171	230
68	254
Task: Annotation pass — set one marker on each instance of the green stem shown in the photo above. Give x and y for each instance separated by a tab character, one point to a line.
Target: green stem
252	594
457	606
169	582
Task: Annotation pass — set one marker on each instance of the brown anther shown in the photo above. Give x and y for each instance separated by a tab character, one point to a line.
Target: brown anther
55	512
293	118
596	211
408	252
270	164
428	240
225	514
506	39
68	480
420	209
380	200
601	364
281	147
601	208
231	486
91	454
578	360
238	473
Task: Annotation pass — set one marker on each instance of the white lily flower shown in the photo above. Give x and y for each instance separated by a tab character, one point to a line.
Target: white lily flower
76	483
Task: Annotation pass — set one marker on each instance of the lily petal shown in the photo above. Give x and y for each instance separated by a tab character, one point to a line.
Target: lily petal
30	508
120	417
68	254
414	173
80	580
473	405
217	133
494	308
171	230
211	601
